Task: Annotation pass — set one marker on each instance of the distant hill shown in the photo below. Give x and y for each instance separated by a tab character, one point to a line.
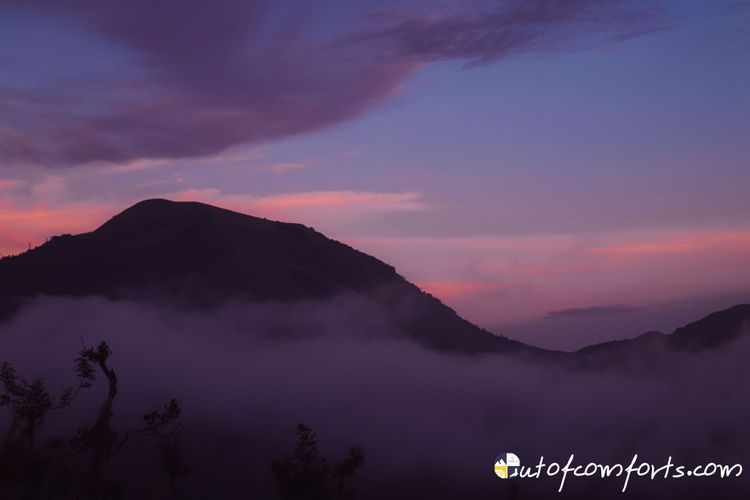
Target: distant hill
716	329
199	255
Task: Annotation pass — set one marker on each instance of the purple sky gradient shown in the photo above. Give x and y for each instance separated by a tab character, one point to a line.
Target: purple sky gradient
513	158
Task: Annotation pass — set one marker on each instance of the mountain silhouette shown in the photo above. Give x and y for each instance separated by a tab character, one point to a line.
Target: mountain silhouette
197	255
716	329
200	255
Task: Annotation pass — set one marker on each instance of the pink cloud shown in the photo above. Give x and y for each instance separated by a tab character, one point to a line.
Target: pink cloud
41	210
381	202
32	211
21	226
495	280
282	168
450	290
10	184
330	211
681	242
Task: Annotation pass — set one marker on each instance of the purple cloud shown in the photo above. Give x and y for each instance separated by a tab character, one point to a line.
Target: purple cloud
195	81
595	311
491	30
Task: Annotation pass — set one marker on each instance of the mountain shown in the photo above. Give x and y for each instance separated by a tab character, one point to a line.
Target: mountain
199	255
196	255
716	329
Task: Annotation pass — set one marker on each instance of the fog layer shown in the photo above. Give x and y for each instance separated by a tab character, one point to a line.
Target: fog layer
430	423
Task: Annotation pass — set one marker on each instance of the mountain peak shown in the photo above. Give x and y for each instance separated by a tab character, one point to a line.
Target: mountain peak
158	212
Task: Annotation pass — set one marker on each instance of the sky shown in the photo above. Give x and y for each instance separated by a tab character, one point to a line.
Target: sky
559	172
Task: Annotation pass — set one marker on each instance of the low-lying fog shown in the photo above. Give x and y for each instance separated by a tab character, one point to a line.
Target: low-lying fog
430	423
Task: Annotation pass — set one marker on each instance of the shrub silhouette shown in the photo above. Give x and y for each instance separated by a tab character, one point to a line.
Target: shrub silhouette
305	475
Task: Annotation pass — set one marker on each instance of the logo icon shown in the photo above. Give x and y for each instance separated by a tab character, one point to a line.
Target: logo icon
507	465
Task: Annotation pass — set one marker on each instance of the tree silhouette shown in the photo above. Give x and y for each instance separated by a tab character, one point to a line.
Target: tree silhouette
30	402
305	475
33	475
103	442
347	469
167	429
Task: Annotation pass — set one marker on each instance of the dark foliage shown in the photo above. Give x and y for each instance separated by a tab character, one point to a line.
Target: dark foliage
29	404
305	475
54	472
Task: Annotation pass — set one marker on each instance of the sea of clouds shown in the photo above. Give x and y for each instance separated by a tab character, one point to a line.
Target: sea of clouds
431	423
